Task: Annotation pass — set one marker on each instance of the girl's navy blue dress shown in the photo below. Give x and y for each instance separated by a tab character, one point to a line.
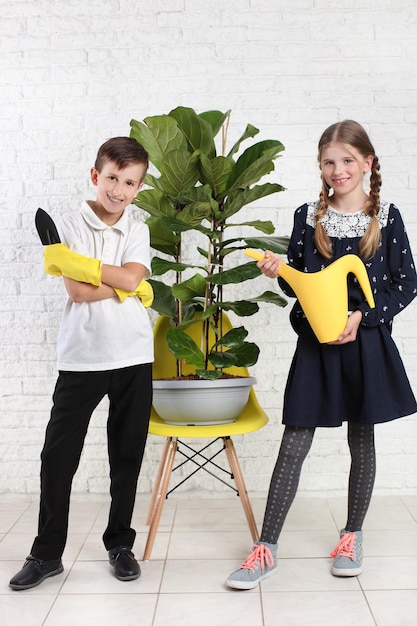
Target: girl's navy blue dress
363	381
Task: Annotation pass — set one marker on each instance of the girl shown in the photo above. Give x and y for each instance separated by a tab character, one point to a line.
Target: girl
359	378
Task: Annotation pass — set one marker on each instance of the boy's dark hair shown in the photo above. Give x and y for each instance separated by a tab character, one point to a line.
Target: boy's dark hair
122	151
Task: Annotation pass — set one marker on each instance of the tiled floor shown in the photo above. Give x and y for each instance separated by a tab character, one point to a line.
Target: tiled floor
199	542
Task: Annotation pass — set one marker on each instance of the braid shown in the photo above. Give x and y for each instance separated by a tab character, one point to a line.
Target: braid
375	183
321	238
370	241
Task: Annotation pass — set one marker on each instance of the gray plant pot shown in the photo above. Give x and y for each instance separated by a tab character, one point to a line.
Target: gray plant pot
201	402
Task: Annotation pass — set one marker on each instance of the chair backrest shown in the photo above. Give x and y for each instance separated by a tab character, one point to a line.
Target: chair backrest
165	363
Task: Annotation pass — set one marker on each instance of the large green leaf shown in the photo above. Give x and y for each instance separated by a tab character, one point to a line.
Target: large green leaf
176	225
279	245
189	310
158	135
194	287
189	218
247	355
215	173
255	162
216	119
250	131
183	347
234	275
162	238
194	213
200	193
223	360
196	130
227	246
150	180
161	266
243	356
155	203
264	227
242	308
271	297
233	339
179	171
245	308
240	197
163	300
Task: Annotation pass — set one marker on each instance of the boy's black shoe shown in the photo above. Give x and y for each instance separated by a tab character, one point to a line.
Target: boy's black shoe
34	571
124	563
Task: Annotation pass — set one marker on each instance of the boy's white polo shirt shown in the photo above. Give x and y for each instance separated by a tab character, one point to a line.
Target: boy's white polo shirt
109	334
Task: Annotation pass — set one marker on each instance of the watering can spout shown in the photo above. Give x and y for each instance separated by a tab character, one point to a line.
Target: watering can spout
324	295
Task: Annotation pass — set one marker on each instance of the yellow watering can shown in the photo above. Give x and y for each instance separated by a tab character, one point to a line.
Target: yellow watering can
323	295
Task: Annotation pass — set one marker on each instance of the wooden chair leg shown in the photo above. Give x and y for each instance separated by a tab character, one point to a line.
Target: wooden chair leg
240	485
155	491
160	495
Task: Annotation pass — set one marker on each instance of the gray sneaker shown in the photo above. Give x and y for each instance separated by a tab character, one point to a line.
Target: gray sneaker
260	564
348	554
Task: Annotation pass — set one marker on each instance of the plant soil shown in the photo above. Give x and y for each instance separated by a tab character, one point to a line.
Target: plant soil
195	377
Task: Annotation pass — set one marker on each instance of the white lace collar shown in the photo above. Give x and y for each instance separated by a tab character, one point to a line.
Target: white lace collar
343	225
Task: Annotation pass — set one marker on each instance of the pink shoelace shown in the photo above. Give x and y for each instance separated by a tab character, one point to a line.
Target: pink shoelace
345	547
260	556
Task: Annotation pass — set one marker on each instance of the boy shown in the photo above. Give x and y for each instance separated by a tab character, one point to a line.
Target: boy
104	347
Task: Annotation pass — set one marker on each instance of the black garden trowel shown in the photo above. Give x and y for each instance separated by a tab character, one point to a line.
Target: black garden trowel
46	228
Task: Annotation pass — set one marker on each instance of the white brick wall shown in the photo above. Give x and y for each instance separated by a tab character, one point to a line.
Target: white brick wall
73	73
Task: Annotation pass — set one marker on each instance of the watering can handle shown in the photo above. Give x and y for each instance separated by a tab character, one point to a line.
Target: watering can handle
254	254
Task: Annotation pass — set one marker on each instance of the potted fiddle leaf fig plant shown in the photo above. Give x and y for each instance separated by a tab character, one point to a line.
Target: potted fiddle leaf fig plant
193	200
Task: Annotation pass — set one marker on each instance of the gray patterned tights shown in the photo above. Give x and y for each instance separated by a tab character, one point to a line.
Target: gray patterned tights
295	445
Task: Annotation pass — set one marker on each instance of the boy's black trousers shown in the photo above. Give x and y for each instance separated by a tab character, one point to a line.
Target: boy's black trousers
76	396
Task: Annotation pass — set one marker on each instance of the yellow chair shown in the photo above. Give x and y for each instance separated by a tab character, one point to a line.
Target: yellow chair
252	418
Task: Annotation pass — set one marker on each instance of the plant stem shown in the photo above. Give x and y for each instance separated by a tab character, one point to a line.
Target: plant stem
178	302
225	129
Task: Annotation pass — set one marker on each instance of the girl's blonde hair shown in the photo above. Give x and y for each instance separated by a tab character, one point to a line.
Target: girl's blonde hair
353	134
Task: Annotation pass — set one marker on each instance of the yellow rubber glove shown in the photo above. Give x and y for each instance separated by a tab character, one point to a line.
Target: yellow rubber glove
61	261
143	291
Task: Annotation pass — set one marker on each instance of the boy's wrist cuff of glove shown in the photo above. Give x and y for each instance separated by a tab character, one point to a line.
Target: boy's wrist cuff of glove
123	294
143	291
